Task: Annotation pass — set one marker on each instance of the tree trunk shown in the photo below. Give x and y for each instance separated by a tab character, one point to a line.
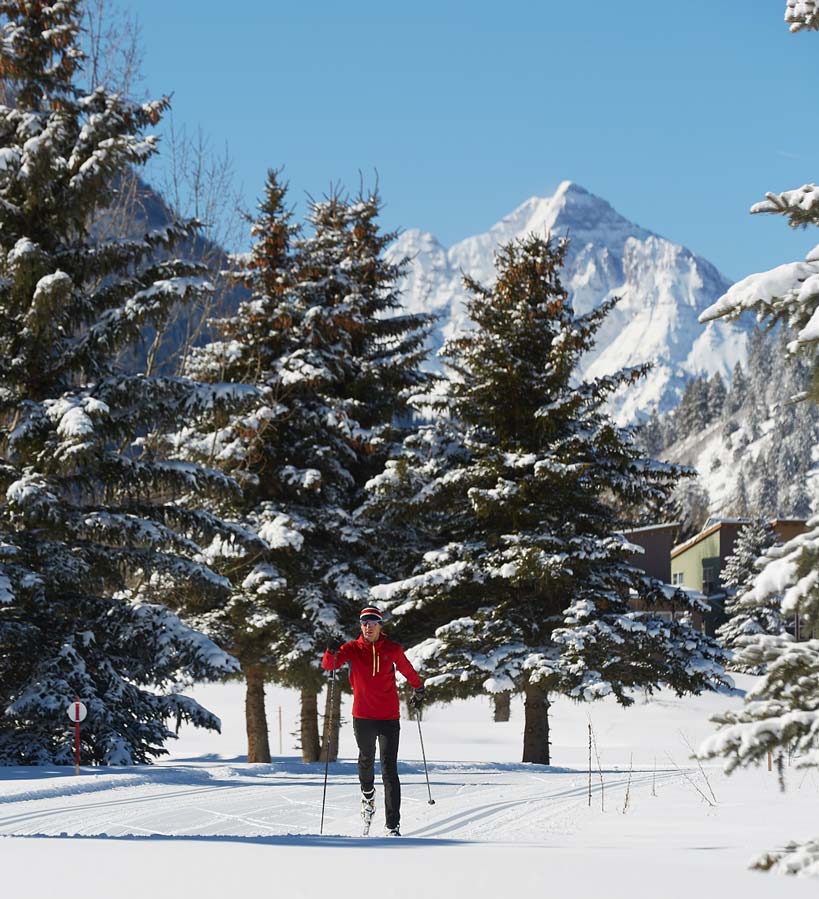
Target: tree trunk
501	704
332	723
258	746
309	725
536	727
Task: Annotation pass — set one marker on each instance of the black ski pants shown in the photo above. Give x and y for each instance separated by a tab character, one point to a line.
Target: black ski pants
366	731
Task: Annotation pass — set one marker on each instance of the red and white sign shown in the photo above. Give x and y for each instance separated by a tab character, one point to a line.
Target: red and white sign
77	711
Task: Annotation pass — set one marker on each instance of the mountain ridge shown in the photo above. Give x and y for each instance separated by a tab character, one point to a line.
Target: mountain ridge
663	287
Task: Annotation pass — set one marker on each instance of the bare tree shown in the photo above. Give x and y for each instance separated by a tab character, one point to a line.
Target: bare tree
190	178
113	46
197	180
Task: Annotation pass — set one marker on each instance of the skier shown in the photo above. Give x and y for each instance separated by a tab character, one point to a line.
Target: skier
373	661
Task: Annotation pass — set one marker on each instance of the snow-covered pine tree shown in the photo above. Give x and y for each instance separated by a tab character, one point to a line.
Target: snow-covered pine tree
527	586
747	618
651	434
742	503
243	444
92	543
738	389
689	504
781	713
717	394
323	336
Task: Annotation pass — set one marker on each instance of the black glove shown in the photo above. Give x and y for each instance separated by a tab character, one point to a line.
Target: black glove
417	698
333	650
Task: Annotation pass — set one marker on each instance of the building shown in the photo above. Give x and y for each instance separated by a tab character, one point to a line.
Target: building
698	562
656	542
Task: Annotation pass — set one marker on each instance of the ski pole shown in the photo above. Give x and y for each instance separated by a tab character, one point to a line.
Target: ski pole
327	746
423	755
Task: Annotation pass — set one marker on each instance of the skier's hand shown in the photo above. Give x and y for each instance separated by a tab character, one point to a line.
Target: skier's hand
417	698
333	650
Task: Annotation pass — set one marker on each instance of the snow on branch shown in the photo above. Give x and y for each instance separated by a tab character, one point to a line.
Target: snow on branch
150	305
800	205
452	574
790	571
801	14
200	652
788	293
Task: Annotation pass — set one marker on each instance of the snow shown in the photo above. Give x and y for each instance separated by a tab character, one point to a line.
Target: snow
760	289
22	248
663	289
452	573
810	332
279	535
49	286
801	14
205	821
9	158
803	198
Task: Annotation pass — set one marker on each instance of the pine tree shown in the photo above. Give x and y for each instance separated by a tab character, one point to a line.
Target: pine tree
747	618
689	504
323	338
741	504
760	373
527	585
691	415
717	394
781	713
650	435
775	474
766	496
93	545
738	390
242	443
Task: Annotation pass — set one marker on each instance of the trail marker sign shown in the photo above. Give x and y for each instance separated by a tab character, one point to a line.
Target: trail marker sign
77	712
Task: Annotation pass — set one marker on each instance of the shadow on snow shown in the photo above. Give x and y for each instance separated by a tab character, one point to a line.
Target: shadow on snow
291	840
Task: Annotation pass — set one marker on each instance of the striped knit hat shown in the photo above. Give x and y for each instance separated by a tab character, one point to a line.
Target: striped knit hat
371	614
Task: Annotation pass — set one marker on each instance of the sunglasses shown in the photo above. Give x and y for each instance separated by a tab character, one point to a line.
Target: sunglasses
368	621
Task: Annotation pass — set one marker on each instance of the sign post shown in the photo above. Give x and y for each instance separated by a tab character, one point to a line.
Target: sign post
77	712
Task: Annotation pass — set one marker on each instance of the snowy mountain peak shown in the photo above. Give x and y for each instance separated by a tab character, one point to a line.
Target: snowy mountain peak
663	287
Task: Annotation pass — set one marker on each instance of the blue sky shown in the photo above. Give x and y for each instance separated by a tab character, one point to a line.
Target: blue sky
681	115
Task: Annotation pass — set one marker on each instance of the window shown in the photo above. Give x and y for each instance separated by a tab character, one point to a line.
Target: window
677	578
710	575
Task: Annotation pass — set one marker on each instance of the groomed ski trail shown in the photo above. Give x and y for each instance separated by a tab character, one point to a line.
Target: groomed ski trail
252	801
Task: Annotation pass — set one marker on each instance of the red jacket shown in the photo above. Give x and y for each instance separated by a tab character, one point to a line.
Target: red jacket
372	675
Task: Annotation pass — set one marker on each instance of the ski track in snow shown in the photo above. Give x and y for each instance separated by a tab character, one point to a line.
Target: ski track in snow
472	806
204	823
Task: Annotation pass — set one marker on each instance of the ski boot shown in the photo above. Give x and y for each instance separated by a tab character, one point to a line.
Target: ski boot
392	832
367	810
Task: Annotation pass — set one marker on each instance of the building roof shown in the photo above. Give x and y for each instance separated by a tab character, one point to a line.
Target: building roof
714	524
667	525
711	526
